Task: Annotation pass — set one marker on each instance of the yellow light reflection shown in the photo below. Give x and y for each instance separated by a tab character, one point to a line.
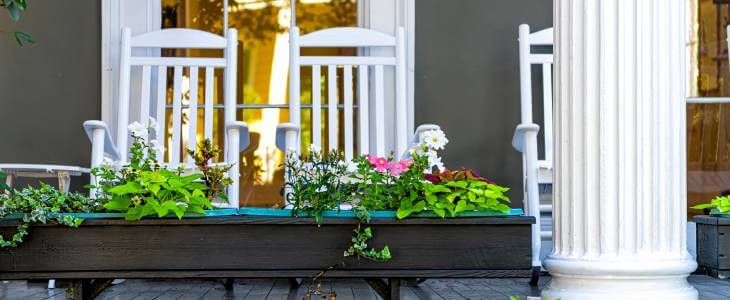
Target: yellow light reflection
277	95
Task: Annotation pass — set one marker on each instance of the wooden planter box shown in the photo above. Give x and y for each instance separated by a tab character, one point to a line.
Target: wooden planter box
251	246
713	245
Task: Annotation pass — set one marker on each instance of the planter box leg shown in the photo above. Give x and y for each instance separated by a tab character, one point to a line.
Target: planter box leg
295	283
387	291
87	289
76	290
394	284
228	284
535	276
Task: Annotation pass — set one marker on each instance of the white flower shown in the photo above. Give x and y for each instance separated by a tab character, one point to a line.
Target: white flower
183	204
152	123
315	149
434	160
137	129
350	166
157	146
435	139
107	162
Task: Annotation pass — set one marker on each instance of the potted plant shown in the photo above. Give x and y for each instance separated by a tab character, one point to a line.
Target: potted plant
713	236
144	187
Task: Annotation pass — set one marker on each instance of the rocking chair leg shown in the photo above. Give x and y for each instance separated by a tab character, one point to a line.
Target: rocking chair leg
228	284
535	276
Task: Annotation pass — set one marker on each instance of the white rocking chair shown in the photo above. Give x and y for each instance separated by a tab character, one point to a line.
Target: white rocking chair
535	171
154	71
369	79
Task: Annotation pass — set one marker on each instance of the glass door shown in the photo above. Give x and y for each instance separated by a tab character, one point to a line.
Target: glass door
263	65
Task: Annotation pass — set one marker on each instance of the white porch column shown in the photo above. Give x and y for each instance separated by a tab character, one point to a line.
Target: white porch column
620	188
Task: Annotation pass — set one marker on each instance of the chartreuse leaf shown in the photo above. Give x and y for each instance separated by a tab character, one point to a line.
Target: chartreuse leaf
197	209
703	206
118	203
179	211
407	211
459	184
134	213
721	203
191	178
127	188
439	211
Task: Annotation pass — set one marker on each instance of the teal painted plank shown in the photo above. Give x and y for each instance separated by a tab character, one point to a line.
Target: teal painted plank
275	212
716	212
208	213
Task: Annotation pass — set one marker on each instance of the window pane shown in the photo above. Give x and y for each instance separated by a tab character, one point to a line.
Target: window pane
708	125
263	65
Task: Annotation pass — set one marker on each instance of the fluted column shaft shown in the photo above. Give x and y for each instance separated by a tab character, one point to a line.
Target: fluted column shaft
621	76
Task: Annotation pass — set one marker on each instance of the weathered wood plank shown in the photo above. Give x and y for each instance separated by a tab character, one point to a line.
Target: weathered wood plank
249	247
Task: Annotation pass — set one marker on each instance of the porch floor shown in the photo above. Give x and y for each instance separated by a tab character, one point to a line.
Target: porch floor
710	289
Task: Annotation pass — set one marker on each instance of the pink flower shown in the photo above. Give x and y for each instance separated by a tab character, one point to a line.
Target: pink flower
383	165
380	163
400	166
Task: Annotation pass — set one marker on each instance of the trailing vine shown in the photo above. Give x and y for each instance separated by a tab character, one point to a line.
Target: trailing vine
42	205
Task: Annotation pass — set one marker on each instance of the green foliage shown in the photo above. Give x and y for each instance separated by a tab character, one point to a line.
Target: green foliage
721	203
215	177
159	192
360	248
316	184
378	190
144	188
42	205
454	197
319	182
15	8
3	186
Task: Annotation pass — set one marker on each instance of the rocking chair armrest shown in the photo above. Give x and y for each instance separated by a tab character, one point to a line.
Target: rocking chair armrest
243	134
418	137
518	139
421	129
109	147
287	135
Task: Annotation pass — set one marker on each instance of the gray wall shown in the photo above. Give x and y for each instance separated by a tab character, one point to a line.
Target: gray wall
467	80
48	89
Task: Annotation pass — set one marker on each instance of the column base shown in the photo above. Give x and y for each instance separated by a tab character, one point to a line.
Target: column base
644	277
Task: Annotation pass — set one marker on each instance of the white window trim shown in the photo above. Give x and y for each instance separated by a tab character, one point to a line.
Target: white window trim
146	15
